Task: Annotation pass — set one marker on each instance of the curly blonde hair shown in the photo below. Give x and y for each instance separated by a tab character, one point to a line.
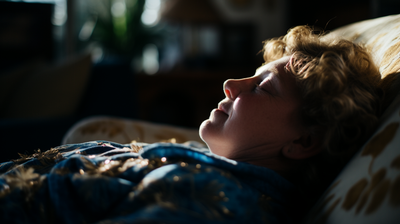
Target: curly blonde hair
340	89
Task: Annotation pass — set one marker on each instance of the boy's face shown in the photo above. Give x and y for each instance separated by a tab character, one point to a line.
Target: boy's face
259	116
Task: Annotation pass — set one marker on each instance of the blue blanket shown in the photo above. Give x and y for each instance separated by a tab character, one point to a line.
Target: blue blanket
106	182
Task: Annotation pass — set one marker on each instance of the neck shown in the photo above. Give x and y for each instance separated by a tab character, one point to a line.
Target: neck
277	162
268	156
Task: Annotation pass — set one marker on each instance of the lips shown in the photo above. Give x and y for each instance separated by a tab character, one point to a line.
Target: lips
223	108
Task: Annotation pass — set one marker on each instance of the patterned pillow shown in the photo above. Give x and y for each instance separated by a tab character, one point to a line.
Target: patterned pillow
368	189
382	37
127	130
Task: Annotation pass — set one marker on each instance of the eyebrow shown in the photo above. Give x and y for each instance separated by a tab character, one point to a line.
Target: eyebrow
273	69
273	84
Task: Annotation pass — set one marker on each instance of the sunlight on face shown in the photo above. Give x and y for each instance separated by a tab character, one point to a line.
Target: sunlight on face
259	115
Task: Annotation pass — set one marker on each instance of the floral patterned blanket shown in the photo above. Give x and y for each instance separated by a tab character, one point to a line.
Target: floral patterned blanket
106	182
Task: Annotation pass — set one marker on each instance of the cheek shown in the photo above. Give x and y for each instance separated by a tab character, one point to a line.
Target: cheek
287	123
250	111
250	119
266	117
248	106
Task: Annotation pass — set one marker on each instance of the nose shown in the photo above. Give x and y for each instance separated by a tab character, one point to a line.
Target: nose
233	87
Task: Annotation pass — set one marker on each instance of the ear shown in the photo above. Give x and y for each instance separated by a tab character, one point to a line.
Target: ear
304	147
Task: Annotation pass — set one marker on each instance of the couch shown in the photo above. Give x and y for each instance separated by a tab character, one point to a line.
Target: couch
368	188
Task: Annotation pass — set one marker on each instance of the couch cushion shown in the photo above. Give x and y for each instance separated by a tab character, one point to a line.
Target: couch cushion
382	37
368	189
124	130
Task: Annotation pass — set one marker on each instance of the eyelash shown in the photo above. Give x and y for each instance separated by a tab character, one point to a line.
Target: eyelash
259	87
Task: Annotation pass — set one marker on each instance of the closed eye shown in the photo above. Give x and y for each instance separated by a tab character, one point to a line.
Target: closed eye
258	87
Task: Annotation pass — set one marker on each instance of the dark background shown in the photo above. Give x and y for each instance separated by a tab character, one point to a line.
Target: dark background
181	95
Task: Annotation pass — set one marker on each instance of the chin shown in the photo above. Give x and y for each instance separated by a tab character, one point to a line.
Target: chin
210	133
202	130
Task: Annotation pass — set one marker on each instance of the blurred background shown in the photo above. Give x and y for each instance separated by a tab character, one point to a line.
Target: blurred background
161	61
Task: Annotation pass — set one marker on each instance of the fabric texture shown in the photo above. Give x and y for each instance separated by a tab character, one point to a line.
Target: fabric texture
381	36
367	190
122	130
106	182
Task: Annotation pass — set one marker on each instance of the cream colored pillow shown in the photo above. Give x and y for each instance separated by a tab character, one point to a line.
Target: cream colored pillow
124	131
382	37
368	189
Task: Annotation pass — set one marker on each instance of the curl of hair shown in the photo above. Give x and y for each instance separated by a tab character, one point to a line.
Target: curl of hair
339	85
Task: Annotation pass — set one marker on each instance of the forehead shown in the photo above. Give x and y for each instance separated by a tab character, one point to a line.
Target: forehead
274	67
282	79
